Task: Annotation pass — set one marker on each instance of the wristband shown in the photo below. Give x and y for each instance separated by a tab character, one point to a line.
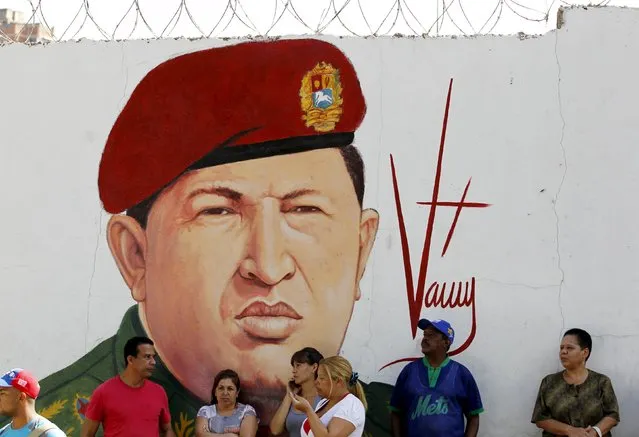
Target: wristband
597	430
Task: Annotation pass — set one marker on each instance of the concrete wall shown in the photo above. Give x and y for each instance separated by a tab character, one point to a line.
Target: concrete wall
543	131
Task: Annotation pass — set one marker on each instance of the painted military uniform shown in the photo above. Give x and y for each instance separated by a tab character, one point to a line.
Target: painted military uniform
64	395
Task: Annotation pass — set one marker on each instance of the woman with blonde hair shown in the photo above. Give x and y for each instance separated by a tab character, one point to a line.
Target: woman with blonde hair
342	411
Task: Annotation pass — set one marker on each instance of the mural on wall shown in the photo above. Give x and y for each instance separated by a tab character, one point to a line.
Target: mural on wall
238	225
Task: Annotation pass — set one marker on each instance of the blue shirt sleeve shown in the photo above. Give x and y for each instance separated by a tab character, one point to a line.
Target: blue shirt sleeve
398	397
54	433
471	401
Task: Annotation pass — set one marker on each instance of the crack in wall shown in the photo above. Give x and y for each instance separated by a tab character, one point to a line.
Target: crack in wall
518	284
97	243
561	184
373	256
126	77
95	258
616	336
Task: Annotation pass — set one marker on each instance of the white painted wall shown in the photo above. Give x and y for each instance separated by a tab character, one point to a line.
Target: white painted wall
546	127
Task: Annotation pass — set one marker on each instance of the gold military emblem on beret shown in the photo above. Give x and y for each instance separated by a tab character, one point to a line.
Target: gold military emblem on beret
321	97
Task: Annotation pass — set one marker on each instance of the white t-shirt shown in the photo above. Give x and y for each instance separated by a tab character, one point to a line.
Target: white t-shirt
349	408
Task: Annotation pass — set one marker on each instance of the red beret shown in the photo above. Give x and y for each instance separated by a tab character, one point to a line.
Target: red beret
226	104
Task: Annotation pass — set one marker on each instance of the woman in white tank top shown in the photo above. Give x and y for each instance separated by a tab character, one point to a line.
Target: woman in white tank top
342	412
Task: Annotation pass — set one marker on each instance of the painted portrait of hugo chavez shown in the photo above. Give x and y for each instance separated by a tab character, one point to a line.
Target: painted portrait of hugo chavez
237	222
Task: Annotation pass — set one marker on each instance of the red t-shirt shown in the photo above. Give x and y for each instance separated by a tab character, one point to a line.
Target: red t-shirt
124	410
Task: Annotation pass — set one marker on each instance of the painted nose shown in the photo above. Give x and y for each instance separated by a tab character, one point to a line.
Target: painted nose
268	261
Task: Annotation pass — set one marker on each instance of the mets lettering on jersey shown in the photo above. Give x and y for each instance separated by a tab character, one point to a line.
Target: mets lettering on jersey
434	401
426	408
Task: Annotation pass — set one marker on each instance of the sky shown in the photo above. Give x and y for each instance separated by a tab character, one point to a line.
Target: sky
133	19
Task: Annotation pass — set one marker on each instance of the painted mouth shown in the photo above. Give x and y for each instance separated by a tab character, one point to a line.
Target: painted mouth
269	322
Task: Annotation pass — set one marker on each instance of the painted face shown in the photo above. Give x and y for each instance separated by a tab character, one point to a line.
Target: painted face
323	383
246	263
303	372
144	362
9	401
226	393
571	354
433	341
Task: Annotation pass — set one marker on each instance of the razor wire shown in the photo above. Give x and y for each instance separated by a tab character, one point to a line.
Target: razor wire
64	20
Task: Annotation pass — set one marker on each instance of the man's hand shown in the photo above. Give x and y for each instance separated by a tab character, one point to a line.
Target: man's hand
89	428
166	430
397	425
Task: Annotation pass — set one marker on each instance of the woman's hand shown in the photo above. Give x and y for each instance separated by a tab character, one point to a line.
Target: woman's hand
591	432
580	432
291	391
300	403
293	388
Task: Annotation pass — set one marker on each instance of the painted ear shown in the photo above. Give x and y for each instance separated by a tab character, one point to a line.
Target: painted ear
127	242
369	223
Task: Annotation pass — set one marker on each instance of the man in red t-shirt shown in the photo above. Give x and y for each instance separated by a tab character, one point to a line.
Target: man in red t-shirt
129	403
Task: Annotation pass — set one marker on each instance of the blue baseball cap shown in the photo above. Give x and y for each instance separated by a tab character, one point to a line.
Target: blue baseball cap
441	325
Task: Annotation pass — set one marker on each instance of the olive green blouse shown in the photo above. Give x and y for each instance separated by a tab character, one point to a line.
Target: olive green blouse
580	405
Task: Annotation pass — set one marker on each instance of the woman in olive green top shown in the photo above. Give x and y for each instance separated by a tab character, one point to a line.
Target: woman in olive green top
576	402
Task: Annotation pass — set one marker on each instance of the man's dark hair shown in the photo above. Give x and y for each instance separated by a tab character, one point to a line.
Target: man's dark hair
584	340
131	347
352	159
225	374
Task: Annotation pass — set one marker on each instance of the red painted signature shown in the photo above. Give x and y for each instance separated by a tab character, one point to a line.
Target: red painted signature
443	295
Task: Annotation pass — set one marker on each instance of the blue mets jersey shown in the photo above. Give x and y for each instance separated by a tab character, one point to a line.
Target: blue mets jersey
434	401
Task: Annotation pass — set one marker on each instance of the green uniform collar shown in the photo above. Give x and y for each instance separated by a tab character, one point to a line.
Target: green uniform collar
433	372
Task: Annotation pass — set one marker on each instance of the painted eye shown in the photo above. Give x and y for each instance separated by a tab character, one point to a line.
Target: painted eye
216	211
305	209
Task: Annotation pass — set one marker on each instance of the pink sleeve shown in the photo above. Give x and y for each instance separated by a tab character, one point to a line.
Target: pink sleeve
95	410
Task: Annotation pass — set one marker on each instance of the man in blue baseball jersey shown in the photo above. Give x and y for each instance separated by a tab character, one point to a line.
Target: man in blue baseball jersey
433	395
